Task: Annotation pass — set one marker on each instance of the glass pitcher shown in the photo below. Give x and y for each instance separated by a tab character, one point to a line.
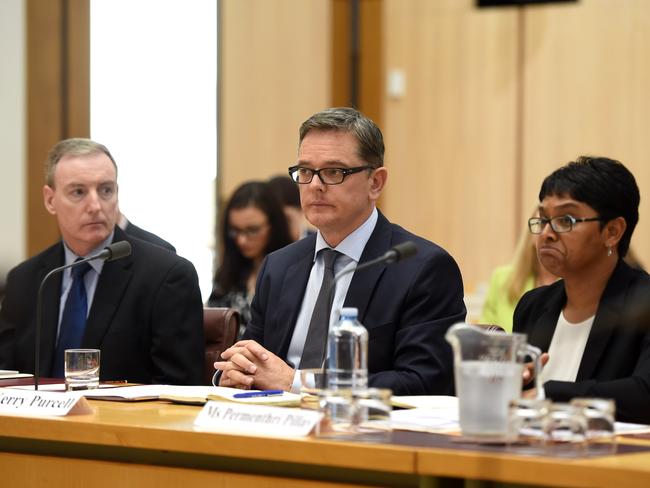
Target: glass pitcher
488	368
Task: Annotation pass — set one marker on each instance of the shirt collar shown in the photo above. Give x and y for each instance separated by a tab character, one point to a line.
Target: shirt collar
97	264
353	245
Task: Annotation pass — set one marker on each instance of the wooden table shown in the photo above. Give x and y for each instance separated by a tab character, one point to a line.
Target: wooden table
155	444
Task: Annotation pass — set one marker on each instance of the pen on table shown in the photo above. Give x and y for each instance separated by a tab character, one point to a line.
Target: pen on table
254	394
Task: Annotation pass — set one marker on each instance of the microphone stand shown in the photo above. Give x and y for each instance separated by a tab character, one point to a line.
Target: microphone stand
114	251
393	255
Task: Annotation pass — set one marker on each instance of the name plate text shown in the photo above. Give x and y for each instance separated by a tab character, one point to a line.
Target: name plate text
257	419
26	402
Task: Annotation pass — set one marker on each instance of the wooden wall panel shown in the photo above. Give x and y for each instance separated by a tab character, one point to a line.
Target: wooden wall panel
450	138
275	72
57	97
587	73
44	112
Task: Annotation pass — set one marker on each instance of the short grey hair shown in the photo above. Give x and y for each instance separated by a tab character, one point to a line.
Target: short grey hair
346	119
72	147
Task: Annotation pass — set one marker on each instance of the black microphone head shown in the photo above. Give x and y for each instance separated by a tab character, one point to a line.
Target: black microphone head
404	250
118	250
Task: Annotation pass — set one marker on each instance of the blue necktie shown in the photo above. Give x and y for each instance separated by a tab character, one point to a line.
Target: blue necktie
73	320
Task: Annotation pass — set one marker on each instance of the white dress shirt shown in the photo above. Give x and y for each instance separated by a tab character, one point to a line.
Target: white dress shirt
566	350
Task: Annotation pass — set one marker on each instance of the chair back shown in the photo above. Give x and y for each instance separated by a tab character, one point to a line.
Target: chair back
220	326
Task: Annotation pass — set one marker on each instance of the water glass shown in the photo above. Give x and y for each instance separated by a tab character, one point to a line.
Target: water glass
599	415
565	424
81	368
526	419
371	409
337	406
312	381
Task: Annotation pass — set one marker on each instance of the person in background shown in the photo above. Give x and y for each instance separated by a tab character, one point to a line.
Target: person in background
286	191
585	322
143	311
508	283
127	226
406	307
253	225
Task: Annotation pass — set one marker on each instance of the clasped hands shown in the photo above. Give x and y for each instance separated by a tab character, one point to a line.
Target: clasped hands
248	365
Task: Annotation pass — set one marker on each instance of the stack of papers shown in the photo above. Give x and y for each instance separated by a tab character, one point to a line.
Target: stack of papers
426	413
193	395
9	374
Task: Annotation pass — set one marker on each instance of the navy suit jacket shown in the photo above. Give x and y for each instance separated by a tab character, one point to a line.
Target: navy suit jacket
146	316
616	360
407	308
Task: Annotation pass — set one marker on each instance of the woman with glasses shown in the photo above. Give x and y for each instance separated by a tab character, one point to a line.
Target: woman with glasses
253	225
587	321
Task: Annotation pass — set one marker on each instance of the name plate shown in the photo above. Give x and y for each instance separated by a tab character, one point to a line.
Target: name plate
26	402
257	419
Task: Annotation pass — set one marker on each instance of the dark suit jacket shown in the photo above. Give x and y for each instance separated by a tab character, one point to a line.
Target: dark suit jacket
146	316
616	361
145	235
407	307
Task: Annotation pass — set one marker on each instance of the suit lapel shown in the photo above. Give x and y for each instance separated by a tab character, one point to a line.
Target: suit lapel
607	317
363	283
111	286
51	300
293	290
542	333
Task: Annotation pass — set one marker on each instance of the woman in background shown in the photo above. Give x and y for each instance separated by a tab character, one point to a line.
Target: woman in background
253	225
508	283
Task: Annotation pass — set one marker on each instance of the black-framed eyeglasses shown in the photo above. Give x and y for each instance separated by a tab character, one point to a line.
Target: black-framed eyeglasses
329	176
563	223
248	232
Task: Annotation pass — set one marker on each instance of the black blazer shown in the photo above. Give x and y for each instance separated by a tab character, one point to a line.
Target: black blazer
616	361
146	316
407	308
145	235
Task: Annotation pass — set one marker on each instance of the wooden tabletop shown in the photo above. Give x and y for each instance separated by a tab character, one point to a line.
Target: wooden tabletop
138	431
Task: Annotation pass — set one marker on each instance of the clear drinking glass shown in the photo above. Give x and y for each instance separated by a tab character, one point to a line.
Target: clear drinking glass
312	381
526	418
371	409
565	425
600	414
81	368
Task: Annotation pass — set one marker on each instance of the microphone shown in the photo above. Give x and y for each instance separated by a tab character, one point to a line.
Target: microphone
116	250
396	253
393	255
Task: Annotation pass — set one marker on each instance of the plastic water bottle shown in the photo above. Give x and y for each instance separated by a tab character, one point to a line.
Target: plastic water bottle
347	364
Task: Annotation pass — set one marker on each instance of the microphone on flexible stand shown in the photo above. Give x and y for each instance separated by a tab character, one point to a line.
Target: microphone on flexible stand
114	251
395	254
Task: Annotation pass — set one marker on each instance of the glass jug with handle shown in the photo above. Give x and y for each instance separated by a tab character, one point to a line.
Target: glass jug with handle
488	368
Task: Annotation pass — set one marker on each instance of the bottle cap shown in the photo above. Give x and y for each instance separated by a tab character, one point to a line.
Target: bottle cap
351	312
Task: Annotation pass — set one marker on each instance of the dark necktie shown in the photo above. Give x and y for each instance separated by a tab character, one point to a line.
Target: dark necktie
73	320
314	350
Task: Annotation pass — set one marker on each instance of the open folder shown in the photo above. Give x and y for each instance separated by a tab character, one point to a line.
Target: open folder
191	395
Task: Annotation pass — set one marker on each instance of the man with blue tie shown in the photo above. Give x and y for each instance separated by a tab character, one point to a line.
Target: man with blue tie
144	311
406	307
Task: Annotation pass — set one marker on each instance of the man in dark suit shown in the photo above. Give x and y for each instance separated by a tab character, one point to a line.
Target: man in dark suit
407	308
143	312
